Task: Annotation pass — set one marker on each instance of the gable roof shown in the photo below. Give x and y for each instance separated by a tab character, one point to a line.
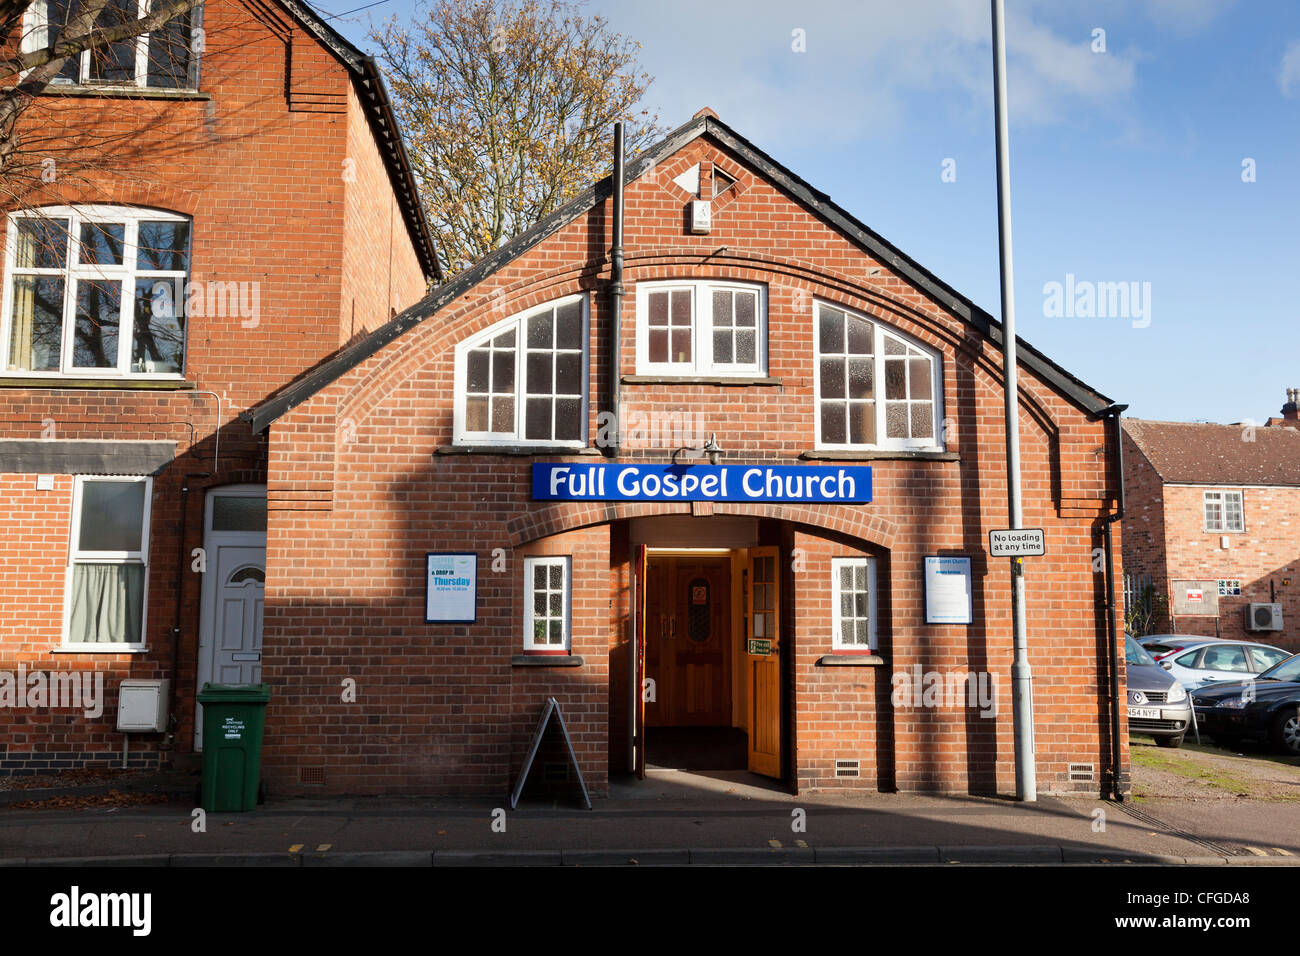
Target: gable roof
379	112
1203	454
816	202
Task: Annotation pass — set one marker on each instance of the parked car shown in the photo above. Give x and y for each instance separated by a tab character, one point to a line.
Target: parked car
1212	661
1159	645
1265	708
1157	704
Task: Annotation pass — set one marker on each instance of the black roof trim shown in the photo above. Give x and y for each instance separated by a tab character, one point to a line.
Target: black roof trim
1090	400
388	134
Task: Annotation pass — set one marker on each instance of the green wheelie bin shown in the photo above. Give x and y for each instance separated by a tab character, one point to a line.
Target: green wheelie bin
233	717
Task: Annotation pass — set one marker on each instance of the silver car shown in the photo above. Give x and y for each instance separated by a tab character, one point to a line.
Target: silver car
1157	703
1200	664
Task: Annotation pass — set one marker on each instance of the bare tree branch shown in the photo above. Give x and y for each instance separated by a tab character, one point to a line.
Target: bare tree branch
507	108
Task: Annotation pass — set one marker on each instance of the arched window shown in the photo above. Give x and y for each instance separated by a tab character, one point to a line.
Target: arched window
524	381
875	388
95	291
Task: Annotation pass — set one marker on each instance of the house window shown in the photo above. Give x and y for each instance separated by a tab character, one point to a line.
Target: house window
853	597
96	290
166	58
1223	511
108	563
546	604
701	328
524	381
875	389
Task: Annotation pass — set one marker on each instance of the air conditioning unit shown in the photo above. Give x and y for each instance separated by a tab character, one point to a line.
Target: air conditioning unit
1263	617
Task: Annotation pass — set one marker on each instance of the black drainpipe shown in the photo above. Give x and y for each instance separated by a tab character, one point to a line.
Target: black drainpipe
180	581
1113	413
616	293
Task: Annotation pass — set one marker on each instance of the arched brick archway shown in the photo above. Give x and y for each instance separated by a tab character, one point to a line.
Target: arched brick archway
854	521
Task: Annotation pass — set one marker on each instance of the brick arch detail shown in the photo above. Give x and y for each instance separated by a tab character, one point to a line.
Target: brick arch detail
849	520
110	190
374	381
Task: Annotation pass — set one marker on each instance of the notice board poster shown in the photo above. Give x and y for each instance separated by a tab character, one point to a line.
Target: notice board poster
451	588
948	590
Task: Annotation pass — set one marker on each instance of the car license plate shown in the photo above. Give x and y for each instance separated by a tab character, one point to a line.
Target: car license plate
1144	713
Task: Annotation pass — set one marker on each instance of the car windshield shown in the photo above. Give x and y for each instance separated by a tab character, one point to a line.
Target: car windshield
1133	653
1289	669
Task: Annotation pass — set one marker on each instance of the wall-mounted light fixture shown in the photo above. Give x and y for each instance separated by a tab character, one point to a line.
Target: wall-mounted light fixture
710	450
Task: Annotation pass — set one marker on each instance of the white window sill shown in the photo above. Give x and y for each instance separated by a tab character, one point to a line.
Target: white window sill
519	449
100	649
40	380
133	91
866	453
657	377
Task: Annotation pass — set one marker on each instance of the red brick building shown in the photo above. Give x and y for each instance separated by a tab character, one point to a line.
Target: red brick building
502	496
1211	525
205	236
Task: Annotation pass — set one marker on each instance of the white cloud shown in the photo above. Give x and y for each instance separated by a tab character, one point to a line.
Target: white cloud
1185	16
1288	72
867	65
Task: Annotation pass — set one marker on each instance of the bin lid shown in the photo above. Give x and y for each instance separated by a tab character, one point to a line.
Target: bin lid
235	694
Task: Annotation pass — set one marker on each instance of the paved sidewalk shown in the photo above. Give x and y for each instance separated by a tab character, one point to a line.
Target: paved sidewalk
673	818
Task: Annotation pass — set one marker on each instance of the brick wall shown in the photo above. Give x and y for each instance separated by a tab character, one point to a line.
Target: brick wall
256	159
352	516
1262	557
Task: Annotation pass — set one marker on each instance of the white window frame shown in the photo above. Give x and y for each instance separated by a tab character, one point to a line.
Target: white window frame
516	437
549	561
77	216
1223	495
701	364
36	24
837	641
880	332
77	556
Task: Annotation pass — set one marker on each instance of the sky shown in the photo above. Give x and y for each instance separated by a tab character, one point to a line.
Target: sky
1154	143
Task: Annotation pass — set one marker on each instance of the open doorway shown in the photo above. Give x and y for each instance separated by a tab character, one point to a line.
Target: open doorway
689	657
709	660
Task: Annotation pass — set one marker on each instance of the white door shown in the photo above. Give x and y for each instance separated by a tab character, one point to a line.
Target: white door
234	587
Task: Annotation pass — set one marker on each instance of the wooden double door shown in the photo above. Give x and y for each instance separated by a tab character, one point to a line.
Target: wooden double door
688	641
688	648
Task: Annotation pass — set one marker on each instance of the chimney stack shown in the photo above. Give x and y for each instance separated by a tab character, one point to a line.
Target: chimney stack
1291	410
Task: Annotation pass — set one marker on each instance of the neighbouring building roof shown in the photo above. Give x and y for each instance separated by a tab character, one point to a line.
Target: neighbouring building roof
705	122
379	111
1204	454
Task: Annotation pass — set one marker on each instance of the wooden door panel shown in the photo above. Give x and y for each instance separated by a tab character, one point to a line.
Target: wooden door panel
688	655
763	616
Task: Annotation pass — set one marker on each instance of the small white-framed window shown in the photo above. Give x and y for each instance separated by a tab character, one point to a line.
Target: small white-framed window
95	291
1224	511
108	564
705	327
546	603
853	599
524	380
874	387
166	58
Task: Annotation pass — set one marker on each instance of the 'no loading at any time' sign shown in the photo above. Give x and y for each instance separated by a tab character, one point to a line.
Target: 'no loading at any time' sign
1017	543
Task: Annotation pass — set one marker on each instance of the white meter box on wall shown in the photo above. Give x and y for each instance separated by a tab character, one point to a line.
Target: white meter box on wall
142	706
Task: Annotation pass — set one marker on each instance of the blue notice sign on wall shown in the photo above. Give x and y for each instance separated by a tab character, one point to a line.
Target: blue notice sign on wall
613	482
